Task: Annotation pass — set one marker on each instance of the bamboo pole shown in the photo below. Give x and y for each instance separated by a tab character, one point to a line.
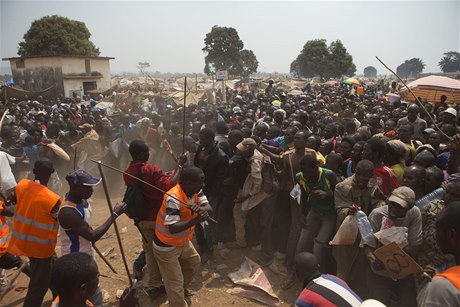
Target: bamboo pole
183	123
149	184
106	190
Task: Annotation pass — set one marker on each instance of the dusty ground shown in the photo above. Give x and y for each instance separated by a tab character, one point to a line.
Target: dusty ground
210	284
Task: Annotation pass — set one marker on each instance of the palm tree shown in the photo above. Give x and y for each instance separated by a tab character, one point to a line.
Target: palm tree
450	62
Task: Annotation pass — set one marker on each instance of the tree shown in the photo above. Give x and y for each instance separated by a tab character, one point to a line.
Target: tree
249	61
370	72
450	62
224	51
410	68
56	35
316	58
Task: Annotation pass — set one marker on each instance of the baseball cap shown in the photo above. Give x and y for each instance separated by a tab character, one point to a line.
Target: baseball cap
403	196
246	144
81	177
451	111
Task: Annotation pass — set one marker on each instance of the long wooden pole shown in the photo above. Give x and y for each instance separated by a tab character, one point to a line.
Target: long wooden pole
106	190
416	98
75	158
104	259
149	184
183	123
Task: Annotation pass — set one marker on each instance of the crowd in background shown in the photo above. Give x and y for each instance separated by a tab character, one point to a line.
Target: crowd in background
281	172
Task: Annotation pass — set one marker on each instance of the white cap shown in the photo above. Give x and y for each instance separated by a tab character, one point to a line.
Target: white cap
451	111
371	303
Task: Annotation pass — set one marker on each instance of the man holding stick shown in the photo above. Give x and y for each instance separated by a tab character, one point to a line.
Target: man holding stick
176	256
74	218
154	175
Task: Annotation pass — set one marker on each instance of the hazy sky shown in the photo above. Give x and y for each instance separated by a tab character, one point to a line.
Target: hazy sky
170	35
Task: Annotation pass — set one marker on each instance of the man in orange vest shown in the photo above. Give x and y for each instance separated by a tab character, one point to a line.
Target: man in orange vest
444	289
7	260
35	229
176	256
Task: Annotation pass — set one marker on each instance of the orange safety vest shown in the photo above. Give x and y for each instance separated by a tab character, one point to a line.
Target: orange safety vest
55	303
3	232
452	274
162	231
35	231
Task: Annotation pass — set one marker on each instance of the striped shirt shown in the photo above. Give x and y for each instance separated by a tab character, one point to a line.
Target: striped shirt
327	291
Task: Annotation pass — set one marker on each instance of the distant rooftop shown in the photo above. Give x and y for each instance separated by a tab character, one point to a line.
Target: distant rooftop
57	56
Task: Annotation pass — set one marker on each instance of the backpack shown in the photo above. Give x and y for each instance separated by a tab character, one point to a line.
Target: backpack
270	181
136	205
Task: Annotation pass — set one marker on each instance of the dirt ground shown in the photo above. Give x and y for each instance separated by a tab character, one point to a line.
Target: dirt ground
210	284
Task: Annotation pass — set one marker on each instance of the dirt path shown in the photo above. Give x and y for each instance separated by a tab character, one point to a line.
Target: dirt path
210	284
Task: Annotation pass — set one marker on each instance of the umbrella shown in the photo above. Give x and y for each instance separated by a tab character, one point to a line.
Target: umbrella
351	81
295	92
431	88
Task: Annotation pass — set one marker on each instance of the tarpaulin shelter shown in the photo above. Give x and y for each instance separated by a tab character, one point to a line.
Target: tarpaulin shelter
12	92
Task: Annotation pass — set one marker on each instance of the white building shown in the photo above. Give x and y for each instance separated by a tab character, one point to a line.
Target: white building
71	75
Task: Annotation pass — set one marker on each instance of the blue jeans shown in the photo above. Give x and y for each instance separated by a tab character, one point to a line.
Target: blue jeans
96	299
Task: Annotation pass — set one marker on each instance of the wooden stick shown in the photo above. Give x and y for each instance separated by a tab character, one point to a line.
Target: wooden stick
75	158
183	123
104	259
168	148
416	98
150	185
106	190
3	117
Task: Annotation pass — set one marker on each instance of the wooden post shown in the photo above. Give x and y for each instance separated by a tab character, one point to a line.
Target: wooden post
224	93
183	123
122	252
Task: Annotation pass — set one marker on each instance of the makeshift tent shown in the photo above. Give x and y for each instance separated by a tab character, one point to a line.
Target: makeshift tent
12	92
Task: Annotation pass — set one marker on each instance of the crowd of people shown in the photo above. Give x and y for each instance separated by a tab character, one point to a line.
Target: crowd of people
268	171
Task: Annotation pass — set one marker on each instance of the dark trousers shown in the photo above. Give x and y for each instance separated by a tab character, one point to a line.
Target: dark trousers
224	215
40	280
204	237
282	222
392	293
315	237
267	207
294	232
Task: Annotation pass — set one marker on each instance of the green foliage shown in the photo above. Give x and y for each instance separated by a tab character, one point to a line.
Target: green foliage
410	68
316	58
370	72
224	51
450	62
56	35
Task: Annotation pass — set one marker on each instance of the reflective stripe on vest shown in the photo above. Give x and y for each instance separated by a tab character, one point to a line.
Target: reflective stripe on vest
32	238
162	231
165	230
34	231
3	240
35	223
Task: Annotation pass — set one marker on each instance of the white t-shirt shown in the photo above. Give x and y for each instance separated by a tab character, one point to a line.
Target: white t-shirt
7	177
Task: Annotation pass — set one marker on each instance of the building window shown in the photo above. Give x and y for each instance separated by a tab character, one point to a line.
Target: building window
87	67
20	64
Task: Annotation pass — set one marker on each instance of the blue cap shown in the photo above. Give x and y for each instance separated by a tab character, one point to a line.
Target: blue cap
81	177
